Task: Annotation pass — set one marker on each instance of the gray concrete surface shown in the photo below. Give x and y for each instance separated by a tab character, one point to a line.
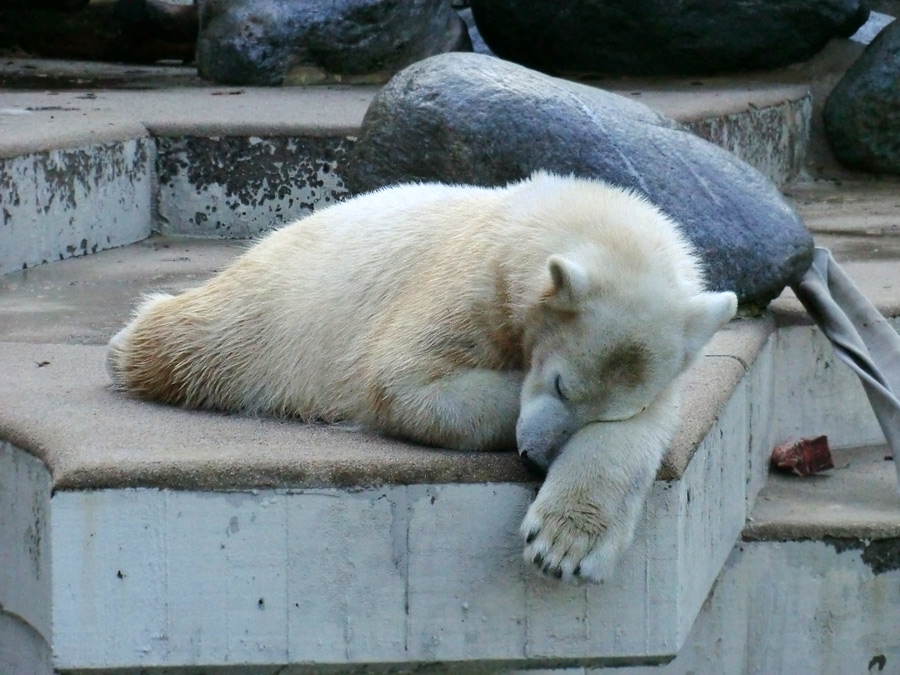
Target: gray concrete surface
35	121
858	499
55	403
860	222
60	315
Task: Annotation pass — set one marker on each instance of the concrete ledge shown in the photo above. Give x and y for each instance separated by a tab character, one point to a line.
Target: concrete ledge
330	577
318	548
237	187
397	573
63	203
82	302
146	489
857	500
62	394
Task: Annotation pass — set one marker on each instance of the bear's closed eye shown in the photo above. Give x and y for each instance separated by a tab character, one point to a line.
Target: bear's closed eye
560	389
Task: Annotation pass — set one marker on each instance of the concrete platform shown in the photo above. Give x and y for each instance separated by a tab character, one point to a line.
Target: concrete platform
234	162
141	538
409	509
857	500
111	467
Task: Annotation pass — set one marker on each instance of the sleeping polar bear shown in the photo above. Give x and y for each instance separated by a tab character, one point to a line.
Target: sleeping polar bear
552	315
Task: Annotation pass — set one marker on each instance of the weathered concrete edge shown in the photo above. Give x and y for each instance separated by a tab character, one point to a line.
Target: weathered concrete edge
72	202
855	535
242	129
102	131
25	554
708	387
710	384
771	138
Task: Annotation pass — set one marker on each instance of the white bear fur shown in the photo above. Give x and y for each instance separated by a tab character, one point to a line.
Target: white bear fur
460	317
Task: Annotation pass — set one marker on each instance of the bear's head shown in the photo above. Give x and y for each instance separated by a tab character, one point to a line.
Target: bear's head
606	337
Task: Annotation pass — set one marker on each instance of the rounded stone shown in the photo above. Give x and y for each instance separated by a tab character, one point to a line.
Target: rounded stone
272	42
469	118
862	113
660	37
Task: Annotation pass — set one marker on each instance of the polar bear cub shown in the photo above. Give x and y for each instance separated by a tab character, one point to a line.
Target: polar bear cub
552	315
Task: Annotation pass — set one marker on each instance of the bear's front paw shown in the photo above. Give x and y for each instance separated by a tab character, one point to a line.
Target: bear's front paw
569	537
586	512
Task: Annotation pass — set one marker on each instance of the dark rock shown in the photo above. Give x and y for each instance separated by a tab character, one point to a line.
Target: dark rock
656	37
133	31
52	5
469	118
862	114
271	42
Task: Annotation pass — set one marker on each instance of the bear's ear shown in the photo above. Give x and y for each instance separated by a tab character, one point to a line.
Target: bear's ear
707	312
568	283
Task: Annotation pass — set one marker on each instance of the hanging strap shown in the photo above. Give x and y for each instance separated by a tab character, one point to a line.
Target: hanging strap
861	337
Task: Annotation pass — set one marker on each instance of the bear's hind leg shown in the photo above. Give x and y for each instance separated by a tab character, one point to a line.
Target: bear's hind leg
469	410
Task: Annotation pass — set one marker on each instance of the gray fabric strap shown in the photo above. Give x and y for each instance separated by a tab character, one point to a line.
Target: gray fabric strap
861	336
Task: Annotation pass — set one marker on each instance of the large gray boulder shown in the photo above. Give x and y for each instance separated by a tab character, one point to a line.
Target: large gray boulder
271	42
656	37
862	114
469	118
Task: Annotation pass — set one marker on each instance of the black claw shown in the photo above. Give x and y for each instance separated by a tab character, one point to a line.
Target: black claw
546	569
558	573
531	536
577	571
538	559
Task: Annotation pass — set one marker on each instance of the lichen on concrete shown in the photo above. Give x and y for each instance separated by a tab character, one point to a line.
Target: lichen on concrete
881	555
238	187
773	140
70	202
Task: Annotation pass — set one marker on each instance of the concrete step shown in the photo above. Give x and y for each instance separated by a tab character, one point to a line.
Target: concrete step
857	503
233	162
814	585
296	529
152	491
135	536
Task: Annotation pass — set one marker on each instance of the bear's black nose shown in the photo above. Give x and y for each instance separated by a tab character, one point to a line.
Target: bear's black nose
534	467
